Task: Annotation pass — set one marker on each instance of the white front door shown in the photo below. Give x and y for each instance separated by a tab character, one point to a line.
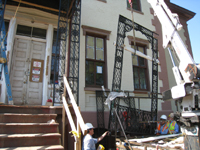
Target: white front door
24	91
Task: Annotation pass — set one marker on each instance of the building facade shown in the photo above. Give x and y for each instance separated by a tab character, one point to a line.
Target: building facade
31	47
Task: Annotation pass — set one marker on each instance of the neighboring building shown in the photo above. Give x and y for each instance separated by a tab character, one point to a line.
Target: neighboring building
32	36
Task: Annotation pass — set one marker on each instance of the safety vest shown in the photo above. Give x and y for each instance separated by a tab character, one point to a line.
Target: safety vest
159	126
171	126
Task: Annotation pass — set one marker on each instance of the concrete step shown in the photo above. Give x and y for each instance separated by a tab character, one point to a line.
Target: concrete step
25	128
31	109
48	147
22	140
26	118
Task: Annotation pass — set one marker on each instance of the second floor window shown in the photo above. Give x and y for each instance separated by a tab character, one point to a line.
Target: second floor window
95	61
140	76
135	5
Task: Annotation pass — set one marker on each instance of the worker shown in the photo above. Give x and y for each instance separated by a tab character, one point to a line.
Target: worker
162	127
172	125
88	141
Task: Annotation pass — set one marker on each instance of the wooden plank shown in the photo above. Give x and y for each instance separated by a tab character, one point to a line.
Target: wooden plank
63	127
36	5
69	116
76	109
154	138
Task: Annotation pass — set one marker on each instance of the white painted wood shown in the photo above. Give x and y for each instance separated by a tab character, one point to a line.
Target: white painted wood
34	89
69	116
155	138
76	110
24	91
46	78
30	38
19	67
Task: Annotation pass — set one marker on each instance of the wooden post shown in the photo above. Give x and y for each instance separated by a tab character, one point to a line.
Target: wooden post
63	127
78	144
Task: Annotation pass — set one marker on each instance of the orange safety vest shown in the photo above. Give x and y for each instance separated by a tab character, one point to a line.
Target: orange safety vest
159	126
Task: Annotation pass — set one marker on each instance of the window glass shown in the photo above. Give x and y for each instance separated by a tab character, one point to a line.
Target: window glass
90	47
99	74
99	49
89	73
31	31
139	70
142	79
39	33
140	59
136	78
135	4
95	61
24	30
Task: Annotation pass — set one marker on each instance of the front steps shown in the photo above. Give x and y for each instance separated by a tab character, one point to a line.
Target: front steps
29	128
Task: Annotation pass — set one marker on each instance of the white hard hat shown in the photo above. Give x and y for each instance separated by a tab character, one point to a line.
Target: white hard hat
163	117
88	126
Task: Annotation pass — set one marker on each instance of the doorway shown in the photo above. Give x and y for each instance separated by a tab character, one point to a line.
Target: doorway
27	83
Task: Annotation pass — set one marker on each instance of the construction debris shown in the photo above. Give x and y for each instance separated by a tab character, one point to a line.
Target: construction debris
163	142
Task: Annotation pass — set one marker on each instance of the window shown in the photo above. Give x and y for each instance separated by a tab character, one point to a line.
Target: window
135	5
140	76
31	31
95	61
53	60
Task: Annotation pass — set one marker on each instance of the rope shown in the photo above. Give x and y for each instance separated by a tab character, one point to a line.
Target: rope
130	1
11	22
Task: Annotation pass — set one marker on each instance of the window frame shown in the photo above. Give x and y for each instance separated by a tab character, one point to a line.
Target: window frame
138	5
97	61
144	67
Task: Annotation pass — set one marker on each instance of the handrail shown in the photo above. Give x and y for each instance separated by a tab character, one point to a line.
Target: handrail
69	116
76	109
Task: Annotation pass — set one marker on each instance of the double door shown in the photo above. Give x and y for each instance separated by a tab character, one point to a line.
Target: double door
26	81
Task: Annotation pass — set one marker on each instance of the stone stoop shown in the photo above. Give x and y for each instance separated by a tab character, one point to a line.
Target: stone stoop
24	129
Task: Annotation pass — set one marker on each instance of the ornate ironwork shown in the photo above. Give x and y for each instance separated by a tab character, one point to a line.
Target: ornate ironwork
66	14
74	52
126	25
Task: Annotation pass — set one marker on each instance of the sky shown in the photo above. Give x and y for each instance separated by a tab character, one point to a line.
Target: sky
193	25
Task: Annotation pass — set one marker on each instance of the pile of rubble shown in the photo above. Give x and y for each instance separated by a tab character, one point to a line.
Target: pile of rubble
163	142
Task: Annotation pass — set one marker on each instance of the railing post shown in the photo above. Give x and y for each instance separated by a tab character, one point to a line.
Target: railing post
78	144
63	126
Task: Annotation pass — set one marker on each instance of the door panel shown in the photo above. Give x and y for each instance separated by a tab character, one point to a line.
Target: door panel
19	66
34	90
24	91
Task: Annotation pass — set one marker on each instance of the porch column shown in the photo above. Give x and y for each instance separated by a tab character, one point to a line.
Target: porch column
47	63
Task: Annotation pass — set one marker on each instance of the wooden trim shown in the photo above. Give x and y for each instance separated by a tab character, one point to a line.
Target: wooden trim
88	29
94	89
140	92
36	5
30	38
47	66
138	41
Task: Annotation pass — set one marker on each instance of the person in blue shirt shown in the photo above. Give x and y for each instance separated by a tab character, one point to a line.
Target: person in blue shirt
172	125
88	141
162	127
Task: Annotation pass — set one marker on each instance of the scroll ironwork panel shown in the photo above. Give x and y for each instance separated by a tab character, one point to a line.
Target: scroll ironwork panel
126	25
